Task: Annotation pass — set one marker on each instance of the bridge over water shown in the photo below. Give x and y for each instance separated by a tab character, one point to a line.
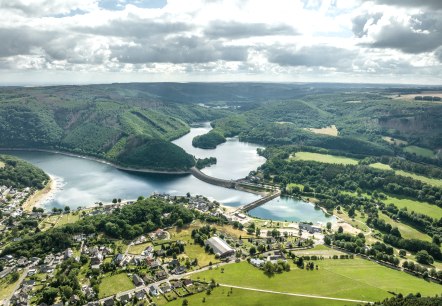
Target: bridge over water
234	184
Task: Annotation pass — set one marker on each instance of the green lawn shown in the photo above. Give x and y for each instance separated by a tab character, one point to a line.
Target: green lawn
137	249
419	151
324	158
2	164
113	284
223	297
407	231
424	179
67	218
416	206
352	278
6	287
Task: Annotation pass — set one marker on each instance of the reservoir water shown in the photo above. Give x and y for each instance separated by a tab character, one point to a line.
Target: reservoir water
83	182
291	209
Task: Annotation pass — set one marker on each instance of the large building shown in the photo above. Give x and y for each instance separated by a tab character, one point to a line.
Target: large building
220	247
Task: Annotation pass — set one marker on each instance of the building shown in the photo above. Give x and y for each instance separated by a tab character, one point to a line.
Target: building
220	247
310	228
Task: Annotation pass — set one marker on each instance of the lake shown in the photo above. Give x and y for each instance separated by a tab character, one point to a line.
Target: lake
291	209
83	182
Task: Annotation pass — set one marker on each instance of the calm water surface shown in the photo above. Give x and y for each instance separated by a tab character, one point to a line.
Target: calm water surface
82	182
290	209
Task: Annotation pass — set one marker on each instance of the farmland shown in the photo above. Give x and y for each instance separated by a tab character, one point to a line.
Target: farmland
353	278
324	158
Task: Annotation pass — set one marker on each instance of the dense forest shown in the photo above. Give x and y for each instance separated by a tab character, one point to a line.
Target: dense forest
110	121
18	173
130	221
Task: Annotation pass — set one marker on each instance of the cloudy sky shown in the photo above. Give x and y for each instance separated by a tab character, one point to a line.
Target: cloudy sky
100	41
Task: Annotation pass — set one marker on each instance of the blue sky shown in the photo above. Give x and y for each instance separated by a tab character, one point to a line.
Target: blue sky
98	41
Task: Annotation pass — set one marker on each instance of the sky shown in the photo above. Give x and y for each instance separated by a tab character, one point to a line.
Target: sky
103	41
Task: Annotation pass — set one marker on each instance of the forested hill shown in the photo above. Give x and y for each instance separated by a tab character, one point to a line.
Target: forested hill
121	124
17	173
132	124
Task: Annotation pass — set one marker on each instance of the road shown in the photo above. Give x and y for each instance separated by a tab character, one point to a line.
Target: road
296	294
20	280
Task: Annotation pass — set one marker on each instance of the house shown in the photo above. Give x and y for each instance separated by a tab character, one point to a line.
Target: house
118	258
140	295
68	253
179	270
220	247
166	287
137	280
74	299
125	298
160	275
257	262
310	228
154	290
109	302
187	282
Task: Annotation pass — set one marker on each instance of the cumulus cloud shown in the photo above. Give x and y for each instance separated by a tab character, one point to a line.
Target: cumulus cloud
232	29
209	39
420	33
311	56
431	4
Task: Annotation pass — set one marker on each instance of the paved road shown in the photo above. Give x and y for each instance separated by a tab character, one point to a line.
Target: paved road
296	294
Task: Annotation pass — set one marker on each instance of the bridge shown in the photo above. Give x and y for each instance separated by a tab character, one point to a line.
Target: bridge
259	202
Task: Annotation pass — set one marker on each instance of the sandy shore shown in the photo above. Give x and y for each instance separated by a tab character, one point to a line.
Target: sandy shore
39	195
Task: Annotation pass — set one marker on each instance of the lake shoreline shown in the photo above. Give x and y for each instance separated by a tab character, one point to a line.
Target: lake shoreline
35	199
141	170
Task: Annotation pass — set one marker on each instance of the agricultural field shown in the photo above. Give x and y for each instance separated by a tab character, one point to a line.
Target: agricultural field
424	179
351	279
407	231
114	284
226	296
394	141
419	151
329	130
324	158
416	206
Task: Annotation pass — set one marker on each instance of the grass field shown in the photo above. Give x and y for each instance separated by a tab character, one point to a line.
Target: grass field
416	206
352	279
394	141
192	250
67	218
407	231
329	130
113	284
424	179
137	249
324	158
419	151
222	296
6	287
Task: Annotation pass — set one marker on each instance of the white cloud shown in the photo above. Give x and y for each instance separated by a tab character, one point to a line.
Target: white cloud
281	40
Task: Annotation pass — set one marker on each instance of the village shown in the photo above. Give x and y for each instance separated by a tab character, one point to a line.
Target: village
156	267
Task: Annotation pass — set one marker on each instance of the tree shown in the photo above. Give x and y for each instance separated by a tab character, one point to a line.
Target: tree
14	277
180	223
424	258
49	294
340	230
252	250
185	302
114	201
402	253
67	209
329	225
